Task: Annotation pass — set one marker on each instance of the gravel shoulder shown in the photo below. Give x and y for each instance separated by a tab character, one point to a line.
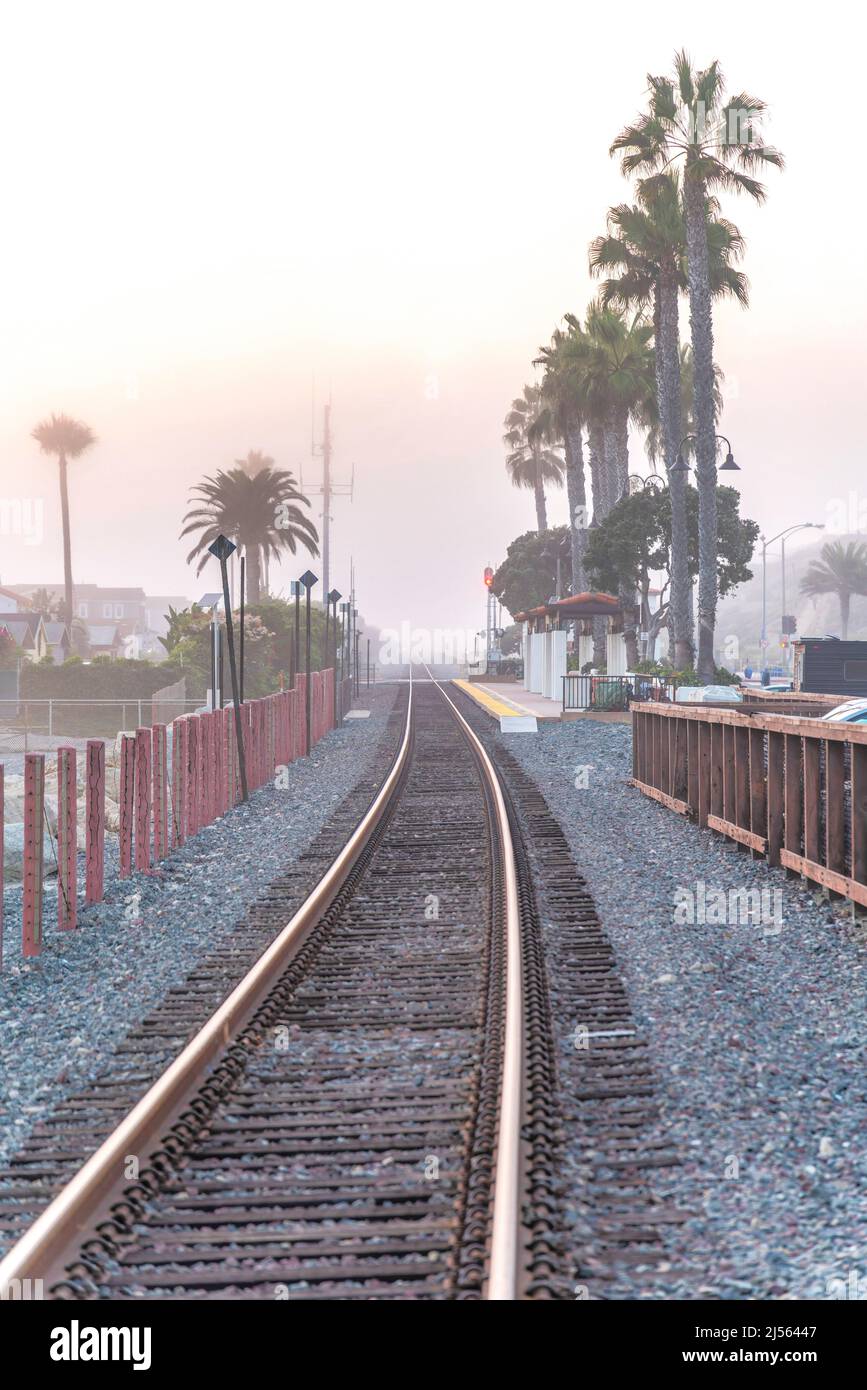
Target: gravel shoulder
63	1013
756	1033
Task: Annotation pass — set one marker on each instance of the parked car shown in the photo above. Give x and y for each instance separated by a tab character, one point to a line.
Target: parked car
850	712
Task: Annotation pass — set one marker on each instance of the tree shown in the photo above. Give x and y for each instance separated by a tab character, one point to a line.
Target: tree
269	639
527	577
253	463
619	383
717	145
842	570
629	545
564	361
635	540
531	461
618	379
46	602
646	245
261	512
66	439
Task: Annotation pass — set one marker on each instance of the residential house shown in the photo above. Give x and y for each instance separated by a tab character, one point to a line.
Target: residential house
122	621
10	601
105	639
27	631
58	641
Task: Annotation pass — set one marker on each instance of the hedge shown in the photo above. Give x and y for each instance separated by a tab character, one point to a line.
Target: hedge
101	680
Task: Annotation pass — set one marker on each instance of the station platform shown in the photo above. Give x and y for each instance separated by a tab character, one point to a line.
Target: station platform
510	698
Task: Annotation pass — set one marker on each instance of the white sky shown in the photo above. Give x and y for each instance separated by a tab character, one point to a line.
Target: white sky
205	205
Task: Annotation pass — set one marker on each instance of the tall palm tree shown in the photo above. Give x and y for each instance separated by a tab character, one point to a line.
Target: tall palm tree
646	245
253	462
564	361
261	512
715	142
842	570
531	461
66	439
618	381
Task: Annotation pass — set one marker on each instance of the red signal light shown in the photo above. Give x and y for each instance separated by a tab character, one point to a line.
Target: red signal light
489	577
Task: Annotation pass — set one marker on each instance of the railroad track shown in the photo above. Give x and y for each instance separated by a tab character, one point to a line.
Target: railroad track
369	1114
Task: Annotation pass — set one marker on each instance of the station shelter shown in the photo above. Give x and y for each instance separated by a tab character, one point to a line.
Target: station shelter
546	634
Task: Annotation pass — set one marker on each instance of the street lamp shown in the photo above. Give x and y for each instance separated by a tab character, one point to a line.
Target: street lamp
781	536
556	550
728	466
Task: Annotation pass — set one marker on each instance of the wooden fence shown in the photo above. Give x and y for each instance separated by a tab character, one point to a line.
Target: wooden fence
170	786
791	787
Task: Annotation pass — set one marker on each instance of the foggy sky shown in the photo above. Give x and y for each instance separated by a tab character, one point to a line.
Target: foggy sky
207	206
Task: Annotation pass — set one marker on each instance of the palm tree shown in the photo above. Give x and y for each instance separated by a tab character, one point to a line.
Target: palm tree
716	142
531	461
261	512
618	382
66	439
564	361
842	570
253	463
646	245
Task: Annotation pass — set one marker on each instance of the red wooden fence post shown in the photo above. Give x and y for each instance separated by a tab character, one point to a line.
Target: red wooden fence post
247	734
227	735
143	778
191	768
67	839
201	771
94	817
126	802
214	744
34	819
2	815
179	785
160	793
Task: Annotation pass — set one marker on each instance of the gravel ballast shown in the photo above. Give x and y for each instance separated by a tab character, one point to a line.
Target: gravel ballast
756	1032
62	1013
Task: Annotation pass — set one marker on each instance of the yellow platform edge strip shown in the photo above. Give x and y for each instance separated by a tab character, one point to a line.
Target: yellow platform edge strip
494	707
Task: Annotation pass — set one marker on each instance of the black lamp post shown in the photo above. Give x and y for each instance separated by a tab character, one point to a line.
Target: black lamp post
344	642
331	602
557	551
295	591
729	466
222	548
243	592
308	579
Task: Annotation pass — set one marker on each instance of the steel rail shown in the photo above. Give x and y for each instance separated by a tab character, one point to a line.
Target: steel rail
502	1282
71	1213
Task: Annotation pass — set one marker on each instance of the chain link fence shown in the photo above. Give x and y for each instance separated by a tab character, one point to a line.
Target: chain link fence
40	726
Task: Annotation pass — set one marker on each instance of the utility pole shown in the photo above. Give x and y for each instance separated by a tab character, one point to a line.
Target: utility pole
327	489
